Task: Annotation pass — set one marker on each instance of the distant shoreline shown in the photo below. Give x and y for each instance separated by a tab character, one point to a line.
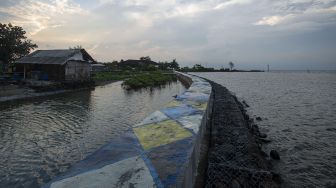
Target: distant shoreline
227	71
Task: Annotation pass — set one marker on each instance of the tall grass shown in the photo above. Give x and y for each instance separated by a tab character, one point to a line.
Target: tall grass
137	79
110	76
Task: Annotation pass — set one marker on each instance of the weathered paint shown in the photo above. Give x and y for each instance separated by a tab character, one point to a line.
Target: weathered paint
171	158
191	122
155	117
203	89
161	133
131	172
198	105
178	111
161	151
202	97
173	103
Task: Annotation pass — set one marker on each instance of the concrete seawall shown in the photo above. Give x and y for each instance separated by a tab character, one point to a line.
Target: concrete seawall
164	150
202	138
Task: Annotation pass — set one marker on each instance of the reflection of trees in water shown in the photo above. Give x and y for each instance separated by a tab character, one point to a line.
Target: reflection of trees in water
151	90
51	133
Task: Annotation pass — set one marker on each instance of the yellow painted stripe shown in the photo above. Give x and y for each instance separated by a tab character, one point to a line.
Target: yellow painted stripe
173	103
153	135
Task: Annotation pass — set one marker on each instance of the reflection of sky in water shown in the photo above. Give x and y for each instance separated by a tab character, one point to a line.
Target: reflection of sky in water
43	137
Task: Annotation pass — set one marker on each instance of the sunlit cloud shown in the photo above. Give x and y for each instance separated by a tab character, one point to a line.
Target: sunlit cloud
316	13
36	16
271	20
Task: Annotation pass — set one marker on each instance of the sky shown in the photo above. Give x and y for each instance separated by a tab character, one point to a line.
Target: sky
286	34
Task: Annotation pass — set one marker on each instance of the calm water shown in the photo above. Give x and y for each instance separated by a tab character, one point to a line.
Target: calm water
299	116
43	137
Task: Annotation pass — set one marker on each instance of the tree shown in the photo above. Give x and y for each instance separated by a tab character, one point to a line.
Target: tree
198	67
174	65
164	65
13	43
231	65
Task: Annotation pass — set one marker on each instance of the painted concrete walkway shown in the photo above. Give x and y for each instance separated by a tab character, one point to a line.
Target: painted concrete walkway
161	151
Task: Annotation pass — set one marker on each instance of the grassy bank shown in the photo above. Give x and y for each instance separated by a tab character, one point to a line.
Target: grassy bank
111	76
148	79
137	79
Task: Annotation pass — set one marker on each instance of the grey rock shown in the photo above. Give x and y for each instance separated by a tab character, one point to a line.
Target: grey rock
274	155
265	140
262	135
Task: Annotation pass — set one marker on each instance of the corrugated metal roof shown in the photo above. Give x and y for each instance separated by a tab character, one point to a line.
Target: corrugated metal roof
52	56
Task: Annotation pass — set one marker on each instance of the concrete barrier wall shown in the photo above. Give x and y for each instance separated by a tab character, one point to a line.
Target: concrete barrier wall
164	150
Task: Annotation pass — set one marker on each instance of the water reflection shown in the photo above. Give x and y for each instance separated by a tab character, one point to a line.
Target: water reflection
43	137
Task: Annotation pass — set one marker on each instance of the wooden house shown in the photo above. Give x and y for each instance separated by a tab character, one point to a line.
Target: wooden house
56	65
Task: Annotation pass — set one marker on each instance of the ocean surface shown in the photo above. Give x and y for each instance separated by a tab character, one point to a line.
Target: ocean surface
42	138
298	111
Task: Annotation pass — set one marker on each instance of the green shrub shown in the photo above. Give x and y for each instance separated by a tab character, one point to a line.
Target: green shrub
148	79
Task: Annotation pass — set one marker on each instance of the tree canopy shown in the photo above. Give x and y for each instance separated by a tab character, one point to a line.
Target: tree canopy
14	43
174	65
231	64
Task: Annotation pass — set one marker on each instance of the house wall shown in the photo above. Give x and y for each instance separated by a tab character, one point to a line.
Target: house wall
77	71
54	72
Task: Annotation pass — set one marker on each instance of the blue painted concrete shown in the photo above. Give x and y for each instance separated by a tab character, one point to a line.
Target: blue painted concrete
124	162
178	111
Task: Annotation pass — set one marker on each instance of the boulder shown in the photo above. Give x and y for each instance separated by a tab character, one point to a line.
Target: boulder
274	155
262	135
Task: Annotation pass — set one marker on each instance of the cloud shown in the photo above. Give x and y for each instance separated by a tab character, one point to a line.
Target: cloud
298	11
250	32
36	16
271	20
231	3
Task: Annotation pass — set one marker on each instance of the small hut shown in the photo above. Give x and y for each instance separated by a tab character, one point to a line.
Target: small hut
69	65
98	67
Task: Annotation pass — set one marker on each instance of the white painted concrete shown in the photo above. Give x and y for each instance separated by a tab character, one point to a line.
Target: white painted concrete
191	122
131	172
155	117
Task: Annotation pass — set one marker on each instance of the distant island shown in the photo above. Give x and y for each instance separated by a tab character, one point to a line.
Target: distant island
200	68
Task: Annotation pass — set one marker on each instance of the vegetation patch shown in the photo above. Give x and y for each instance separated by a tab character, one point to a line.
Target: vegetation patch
111	76
149	79
137	79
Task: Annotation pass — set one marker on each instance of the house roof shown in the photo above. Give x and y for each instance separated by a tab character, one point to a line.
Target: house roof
57	57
